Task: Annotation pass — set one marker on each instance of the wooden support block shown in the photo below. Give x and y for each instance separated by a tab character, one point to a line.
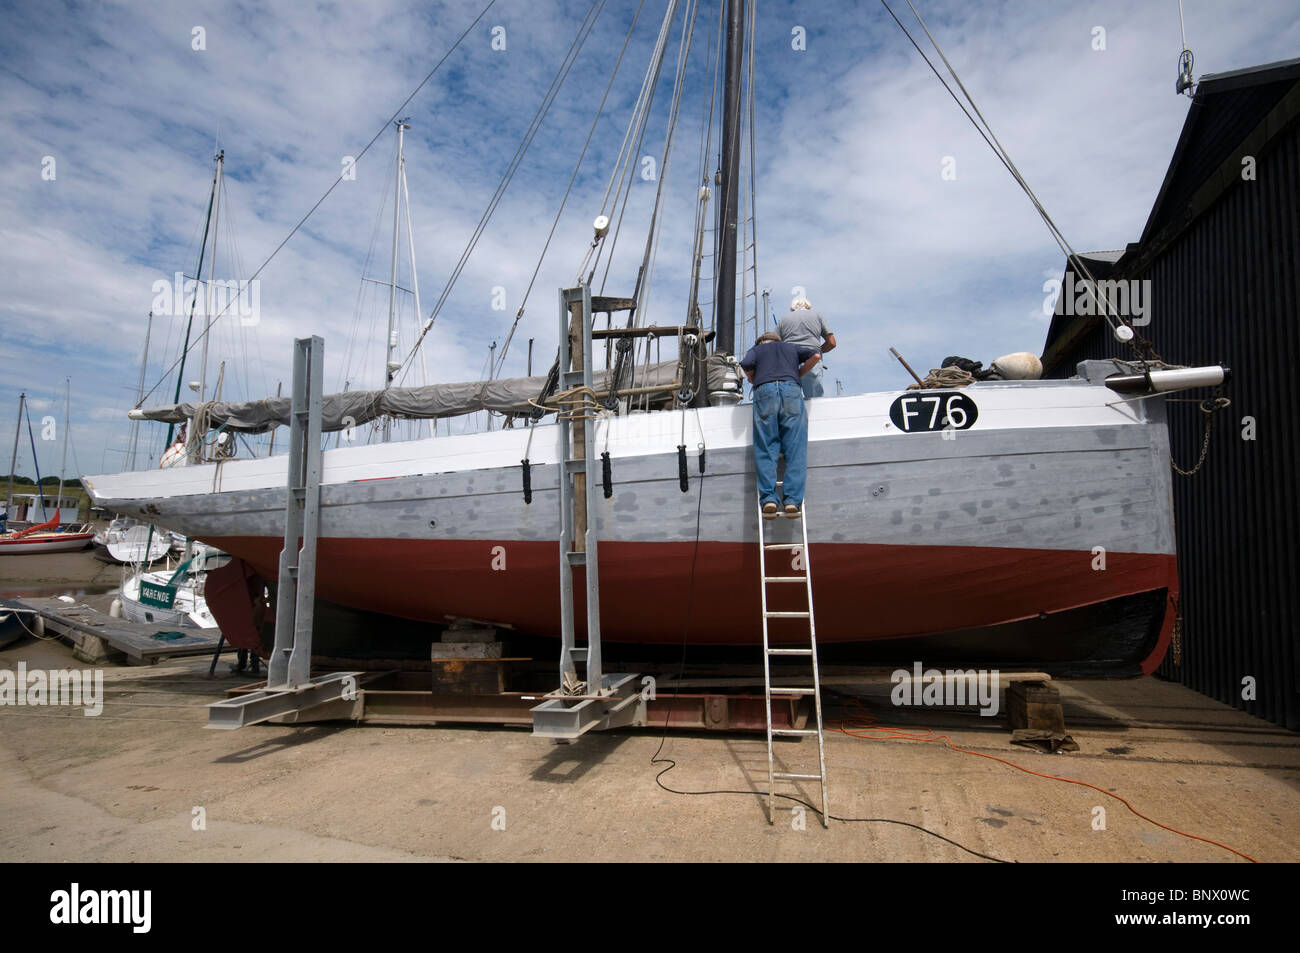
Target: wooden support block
469	633
449	650
1035	705
473	675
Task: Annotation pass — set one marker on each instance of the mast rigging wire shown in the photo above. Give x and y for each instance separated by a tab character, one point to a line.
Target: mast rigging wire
600	110
293	231
548	99
636	132
986	133
651	253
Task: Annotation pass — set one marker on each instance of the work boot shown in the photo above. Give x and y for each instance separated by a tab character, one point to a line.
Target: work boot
792	511
769	510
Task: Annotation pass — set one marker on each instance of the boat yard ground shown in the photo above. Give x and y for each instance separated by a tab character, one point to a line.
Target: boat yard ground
131	783
55	573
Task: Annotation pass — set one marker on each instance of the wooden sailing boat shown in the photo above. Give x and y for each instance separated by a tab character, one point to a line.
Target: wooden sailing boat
949	523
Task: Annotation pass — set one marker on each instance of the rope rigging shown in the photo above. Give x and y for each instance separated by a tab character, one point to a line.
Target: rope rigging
548	99
645	274
713	54
627	157
1129	334
293	231
600	109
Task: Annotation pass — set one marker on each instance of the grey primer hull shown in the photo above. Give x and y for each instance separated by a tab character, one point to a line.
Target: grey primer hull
1031	543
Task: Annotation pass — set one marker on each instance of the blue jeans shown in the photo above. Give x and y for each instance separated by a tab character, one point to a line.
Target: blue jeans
812	382
780	426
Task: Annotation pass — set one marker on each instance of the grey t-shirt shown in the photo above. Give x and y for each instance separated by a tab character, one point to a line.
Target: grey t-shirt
803	328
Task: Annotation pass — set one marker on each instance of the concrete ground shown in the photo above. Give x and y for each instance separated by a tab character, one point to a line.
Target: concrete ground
125	786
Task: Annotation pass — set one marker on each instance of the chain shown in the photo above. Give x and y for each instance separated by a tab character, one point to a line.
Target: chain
1208	407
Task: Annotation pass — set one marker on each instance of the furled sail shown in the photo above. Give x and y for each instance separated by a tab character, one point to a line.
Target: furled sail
512	395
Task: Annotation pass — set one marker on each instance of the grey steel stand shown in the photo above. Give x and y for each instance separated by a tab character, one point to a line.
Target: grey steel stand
599	700
289	685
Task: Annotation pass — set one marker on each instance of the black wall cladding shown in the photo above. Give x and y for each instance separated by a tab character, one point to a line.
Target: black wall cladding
1227	290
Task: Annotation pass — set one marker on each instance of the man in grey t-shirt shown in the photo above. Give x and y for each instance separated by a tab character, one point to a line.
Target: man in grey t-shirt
804	327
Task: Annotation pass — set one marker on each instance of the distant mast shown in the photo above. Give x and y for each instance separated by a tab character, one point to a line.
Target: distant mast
198	279
67	422
210	302
729	172
13	460
134	439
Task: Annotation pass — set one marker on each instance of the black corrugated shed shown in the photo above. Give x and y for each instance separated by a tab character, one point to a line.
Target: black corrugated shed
1222	254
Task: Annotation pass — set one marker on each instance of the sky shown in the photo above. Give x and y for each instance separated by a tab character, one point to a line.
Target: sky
873	193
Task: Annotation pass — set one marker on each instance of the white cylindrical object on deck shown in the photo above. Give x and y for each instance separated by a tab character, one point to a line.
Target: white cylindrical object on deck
1186	377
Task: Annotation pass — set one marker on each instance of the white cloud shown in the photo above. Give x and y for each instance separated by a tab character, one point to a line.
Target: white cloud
851	205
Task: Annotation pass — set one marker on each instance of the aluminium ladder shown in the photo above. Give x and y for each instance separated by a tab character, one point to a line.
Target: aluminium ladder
809	651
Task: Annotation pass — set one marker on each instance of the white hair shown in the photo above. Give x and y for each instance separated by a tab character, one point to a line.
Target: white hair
800	303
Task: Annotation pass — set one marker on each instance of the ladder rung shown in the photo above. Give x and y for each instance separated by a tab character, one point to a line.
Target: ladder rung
790	691
576	559
783	776
794	731
578	654
787	615
789	651
785	578
783	545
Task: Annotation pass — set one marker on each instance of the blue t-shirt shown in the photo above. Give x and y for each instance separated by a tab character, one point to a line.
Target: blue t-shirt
776	361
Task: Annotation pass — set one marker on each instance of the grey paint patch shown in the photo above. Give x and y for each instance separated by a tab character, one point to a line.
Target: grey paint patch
1056	469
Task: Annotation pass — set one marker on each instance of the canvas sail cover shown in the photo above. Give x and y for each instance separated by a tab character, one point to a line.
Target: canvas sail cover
507	396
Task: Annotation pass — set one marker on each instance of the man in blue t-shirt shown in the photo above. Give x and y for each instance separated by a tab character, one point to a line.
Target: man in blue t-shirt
780	418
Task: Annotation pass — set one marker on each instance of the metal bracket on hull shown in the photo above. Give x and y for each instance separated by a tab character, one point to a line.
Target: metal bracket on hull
270	702
620	704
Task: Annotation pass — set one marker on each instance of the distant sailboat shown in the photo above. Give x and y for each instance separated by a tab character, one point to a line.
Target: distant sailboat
46	537
50	536
127	541
172	597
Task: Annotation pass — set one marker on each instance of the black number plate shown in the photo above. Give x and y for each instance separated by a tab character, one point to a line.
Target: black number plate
930	411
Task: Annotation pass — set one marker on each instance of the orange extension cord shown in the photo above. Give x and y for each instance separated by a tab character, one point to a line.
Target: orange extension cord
866	726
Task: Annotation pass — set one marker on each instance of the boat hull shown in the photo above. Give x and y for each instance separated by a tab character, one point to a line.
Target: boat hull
954	599
1055	500
53	543
189	611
